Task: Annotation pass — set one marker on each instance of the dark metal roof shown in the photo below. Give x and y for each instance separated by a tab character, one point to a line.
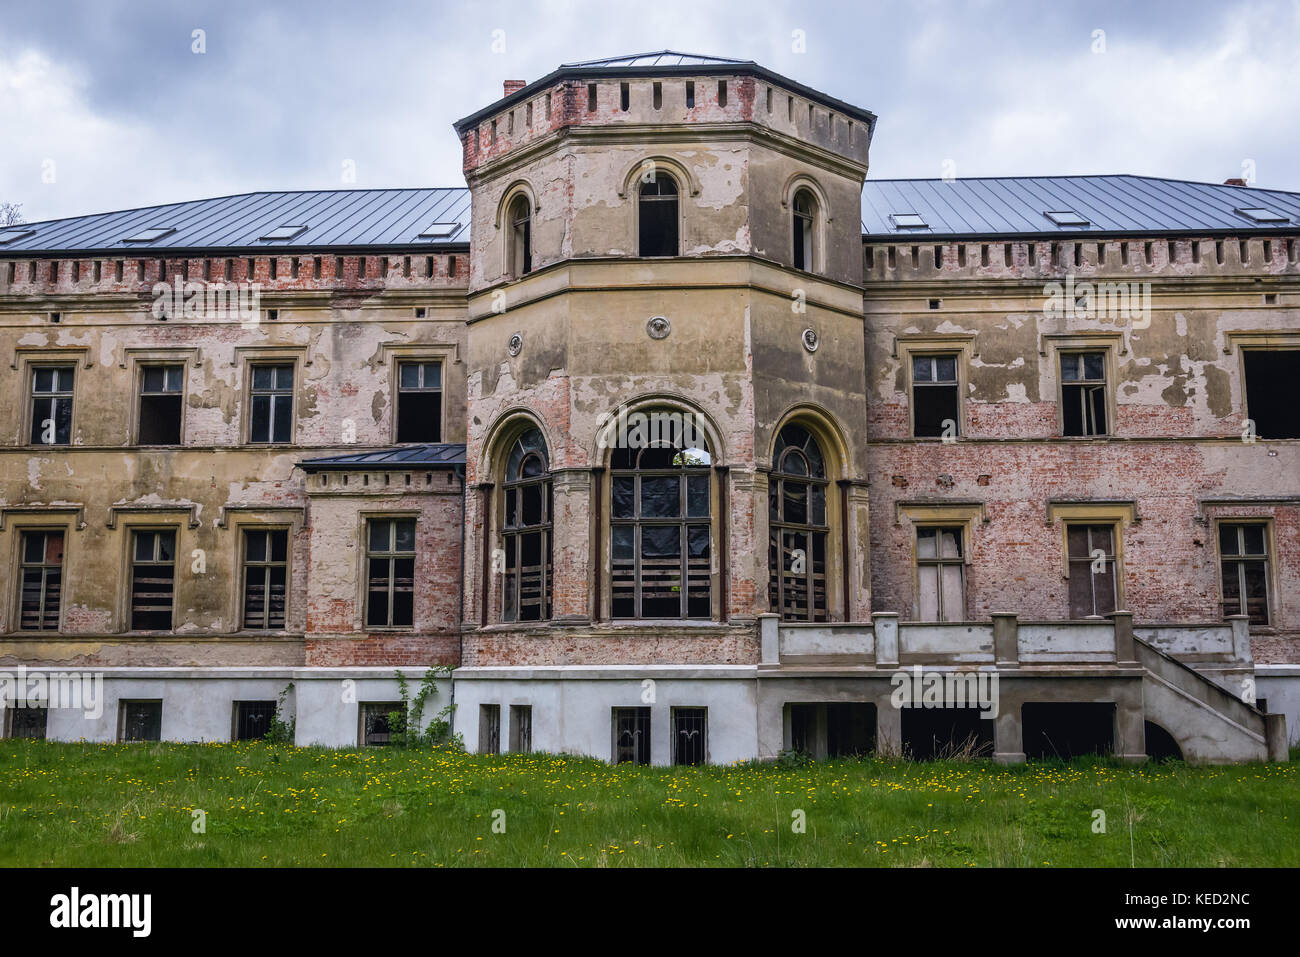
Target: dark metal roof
335	219
1008	206
662	58
441	455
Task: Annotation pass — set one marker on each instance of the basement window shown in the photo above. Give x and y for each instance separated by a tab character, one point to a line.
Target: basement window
253	719
935	410
1083	393
1243	557
1259	214
1093	570
379	719
489	729
940	574
1270	392
13	235
283	232
521	728
1066	217
908	221
440	231
150	235
631	735
690	730
419	402
140	721
153	580
28	722
160	405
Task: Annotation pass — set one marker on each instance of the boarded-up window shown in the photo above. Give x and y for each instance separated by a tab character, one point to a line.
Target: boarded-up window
419	402
521	728
940	574
153	580
658	214
52	405
1093	571
489	729
266	570
1243	555
42	580
160	405
526	531
1083	393
272	404
690	735
934	396
632	735
797	527
390	562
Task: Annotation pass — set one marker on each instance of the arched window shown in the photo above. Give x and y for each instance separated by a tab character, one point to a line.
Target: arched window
521	237
805	221
660	520
526	531
658	216
798	527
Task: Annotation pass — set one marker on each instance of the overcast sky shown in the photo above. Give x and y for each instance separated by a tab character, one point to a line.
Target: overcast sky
107	99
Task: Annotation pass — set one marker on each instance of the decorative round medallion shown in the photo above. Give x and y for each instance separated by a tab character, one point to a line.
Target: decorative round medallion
811	340
516	344
658	327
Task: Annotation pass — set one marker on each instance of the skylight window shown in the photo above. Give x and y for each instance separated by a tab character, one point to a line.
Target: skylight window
908	221
1066	217
10	235
150	235
440	231
284	232
1261	215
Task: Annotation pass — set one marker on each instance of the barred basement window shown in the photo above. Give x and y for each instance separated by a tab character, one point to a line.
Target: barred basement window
690	735
272	404
521	728
377	722
51	405
1243	556
390	583
1083	393
1093	570
140	721
657	209
489	729
29	722
798	527
526	531
266	570
253	719
419	402
935	408
521	237
632	735
805	219
42	581
160	405
940	575
153	580
660	526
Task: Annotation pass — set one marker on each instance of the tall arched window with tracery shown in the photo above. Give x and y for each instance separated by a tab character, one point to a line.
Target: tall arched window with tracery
526	531
798	527
661	524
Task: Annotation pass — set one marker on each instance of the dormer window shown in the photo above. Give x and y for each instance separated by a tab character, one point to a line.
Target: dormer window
805	221
521	237
658	215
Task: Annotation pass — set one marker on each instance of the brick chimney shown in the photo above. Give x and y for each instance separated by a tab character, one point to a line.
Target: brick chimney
1234	182
514	86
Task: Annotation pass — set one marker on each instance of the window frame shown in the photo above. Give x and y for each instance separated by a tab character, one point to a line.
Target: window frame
32	368
644	719
509	535
150	528
1104	384
141	368
1109	345
1115	559
777	480
674	734
366	555
1280	342
962	561
1267	557
399	390
241	583
363	714
123	705
677	218
962	346
21	564
250	393
514	268
521	729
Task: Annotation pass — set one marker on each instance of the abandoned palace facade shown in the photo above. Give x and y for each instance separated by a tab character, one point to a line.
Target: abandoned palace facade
1037	429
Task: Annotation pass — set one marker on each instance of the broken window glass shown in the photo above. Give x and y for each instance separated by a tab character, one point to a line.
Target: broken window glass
797	527
1083	393
934	396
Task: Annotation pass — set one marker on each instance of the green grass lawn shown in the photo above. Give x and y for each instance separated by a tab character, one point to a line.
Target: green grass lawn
132	805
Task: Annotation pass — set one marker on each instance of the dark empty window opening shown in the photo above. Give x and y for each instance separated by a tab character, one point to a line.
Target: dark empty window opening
1243	557
840	729
253	719
379	721
1271	377
419	402
657	95
798	527
41	589
632	735
1083	393
521	728
805	221
526	531
657	206
52	405
272	404
934	396
390	574
591	98
938	733
624	97
1067	730
28	722
690	94
940	574
266	573
521	237
489	729
153	580
690	735
161	405
1093	570
722	93
141	721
